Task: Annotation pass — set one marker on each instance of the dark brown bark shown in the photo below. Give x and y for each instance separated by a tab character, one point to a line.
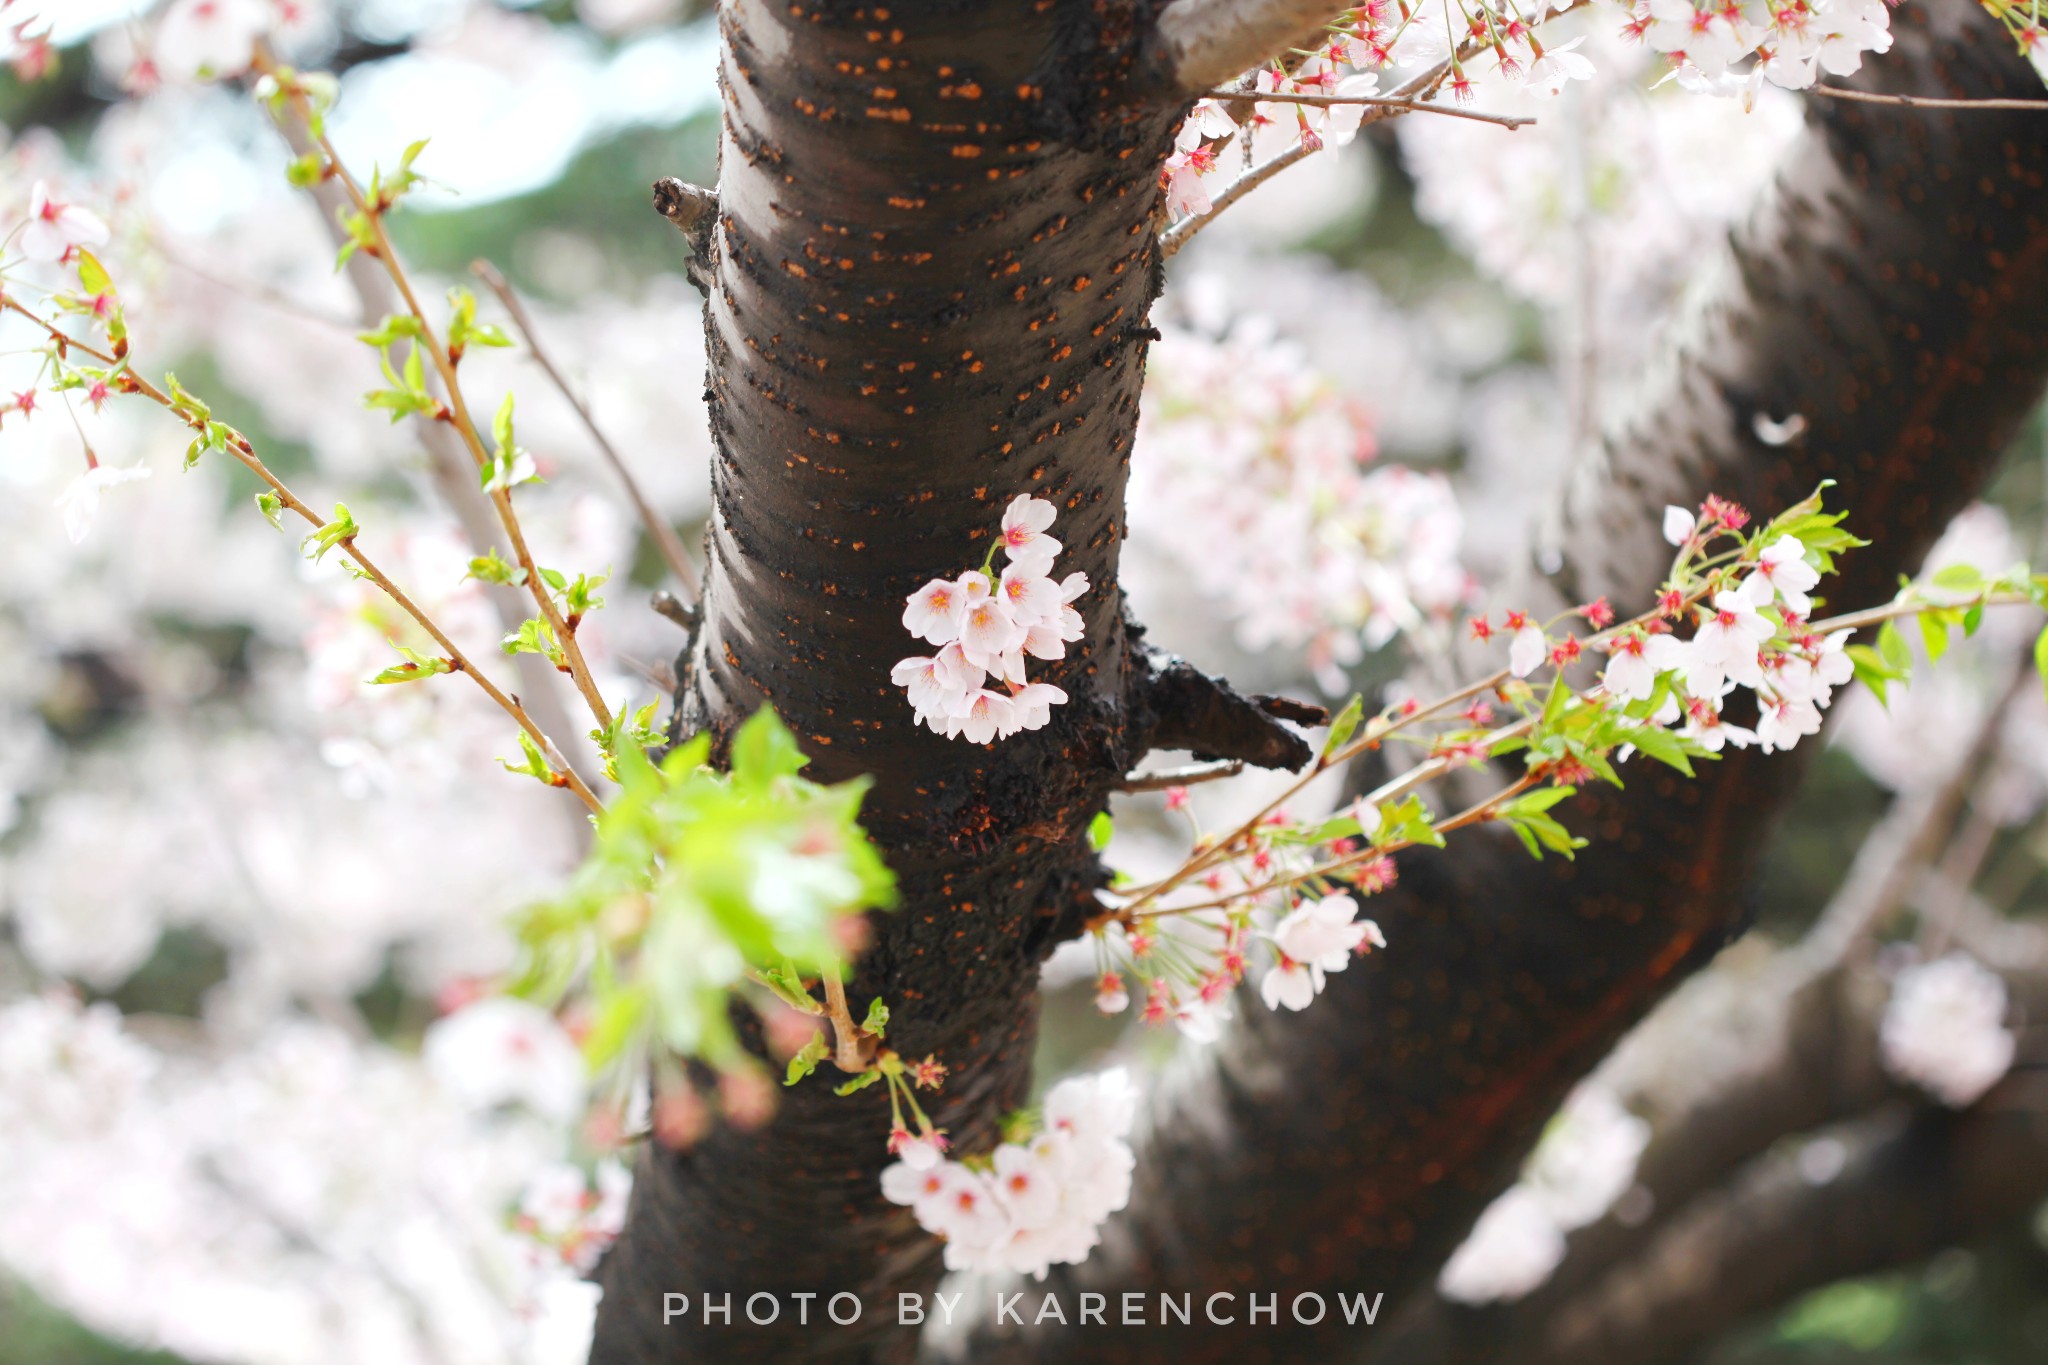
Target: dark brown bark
1890	291
927	291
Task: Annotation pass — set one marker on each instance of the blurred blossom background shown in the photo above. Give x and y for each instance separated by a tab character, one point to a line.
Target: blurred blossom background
244	896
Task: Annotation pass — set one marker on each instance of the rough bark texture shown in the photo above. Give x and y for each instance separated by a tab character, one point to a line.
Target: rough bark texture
1890	291
927	290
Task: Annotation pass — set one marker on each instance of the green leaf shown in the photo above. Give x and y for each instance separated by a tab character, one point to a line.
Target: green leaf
534	636
1535	802
93	276
877	1021
464	331
304	172
1554	705
1959	578
509	466
490	568
535	765
807	1058
764	751
1663	746
415	668
1891	646
336	532
860	1082
1934	635
395	328
184	403
1345	725
1099	831
2041	658
272	508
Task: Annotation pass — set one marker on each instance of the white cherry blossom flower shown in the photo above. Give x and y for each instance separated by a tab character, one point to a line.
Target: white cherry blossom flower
1783	722
1527	651
209	39
987	714
1033	598
1315	938
1024	525
1704	723
1031	706
499	1050
1041	1202
1783	568
1944	1029
1549	73
933	611
55	229
80	500
1630	674
1728	645
1510	1251
1678	525
989	630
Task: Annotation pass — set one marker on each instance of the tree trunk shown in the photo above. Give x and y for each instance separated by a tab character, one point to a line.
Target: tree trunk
1889	291
927	292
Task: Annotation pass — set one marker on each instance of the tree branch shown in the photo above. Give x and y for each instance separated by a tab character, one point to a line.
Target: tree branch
1837	92
1177	706
1200	43
665	539
1914	1181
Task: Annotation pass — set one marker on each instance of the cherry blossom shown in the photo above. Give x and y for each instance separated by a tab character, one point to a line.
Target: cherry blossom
1728	646
57	229
1510	1251
206	39
1782	569
80	500
1629	674
500	1050
1585	1162
1316	938
1678	525
1024	524
1256	487
1944	1029
1554	66
1528	648
1037	1201
986	624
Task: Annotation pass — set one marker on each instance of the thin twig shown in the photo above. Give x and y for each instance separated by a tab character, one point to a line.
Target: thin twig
1856	620
458	415
846	1038
245	453
671	546
1397	102
1836	92
1181	777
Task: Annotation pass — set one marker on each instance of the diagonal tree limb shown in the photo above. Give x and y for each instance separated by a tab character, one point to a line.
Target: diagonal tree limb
1745	1054
1914	1180
1887	290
